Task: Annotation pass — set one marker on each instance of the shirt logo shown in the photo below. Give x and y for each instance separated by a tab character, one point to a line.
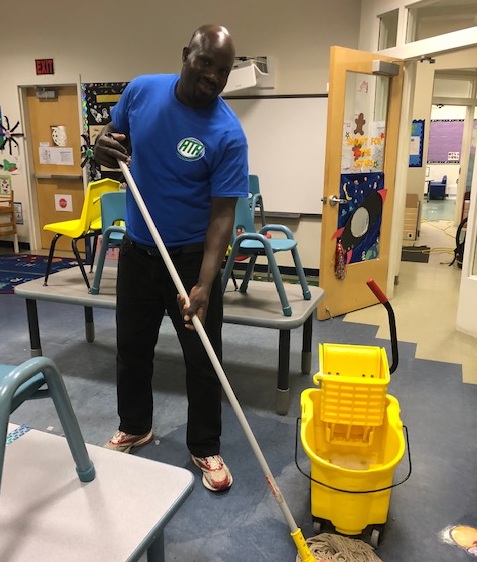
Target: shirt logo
190	149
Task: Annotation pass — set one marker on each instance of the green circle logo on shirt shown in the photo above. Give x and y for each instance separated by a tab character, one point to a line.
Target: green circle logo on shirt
190	149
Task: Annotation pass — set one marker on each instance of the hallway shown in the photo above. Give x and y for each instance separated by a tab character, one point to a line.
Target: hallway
425	304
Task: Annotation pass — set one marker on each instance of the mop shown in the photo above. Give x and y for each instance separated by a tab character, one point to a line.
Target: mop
303	550
329	547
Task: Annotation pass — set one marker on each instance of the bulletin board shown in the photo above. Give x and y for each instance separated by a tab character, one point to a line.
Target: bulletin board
97	100
417	143
286	137
445	141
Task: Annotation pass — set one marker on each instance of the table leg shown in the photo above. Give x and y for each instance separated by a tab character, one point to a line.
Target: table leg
283	378
155	553
89	324
33	328
306	347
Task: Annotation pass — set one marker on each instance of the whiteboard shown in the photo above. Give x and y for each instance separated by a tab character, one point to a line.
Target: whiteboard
286	138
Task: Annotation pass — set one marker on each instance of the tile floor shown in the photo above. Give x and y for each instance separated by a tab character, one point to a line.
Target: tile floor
418	319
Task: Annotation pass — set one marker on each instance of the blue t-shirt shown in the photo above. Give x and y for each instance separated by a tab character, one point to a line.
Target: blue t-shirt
181	157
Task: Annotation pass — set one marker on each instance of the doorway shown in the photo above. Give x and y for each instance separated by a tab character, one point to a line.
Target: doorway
54	135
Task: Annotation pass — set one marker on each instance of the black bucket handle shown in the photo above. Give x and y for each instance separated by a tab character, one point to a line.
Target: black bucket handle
383	299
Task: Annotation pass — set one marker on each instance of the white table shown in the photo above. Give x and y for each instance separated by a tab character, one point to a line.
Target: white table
47	514
259	306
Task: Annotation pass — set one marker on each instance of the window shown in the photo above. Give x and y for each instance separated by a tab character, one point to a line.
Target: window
439	17
388	24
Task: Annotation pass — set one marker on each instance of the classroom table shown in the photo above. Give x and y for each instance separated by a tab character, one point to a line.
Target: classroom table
47	513
259	306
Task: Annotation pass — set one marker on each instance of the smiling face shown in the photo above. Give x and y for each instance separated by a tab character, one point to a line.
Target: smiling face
206	64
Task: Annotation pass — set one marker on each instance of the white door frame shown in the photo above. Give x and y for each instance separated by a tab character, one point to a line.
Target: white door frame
456	41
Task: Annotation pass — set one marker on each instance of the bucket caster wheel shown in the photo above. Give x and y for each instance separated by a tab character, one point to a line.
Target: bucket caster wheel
318	525
377	534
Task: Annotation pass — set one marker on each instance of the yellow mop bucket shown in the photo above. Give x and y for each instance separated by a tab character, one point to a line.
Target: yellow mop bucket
352	432
346	476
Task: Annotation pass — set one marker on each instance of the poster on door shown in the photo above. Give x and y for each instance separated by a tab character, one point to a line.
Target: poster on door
63	202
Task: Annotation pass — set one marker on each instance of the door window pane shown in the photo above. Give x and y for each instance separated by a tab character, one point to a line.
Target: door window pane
364	125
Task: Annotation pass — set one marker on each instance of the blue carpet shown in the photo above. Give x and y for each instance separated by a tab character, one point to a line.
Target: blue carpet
19	268
246	524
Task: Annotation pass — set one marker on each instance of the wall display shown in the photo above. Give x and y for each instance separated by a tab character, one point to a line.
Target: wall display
417	143
18	212
445	141
97	99
359	219
9	164
7	134
5	186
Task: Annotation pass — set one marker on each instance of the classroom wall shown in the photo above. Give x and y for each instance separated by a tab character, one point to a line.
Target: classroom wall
114	40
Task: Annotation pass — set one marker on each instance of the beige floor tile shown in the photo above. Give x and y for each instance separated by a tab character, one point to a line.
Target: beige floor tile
425	304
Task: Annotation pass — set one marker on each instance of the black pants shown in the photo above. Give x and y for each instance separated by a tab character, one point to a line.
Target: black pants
145	291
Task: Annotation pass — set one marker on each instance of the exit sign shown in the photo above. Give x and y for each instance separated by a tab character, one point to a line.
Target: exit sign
44	66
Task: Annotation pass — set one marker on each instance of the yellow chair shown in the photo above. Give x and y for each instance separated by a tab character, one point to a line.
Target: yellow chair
86	227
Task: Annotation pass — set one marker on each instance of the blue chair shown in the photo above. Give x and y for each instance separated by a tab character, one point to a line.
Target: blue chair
256	199
437	189
247	242
113	213
25	382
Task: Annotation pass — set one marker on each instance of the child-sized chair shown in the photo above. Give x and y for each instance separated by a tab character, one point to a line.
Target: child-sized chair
248	242
18	384
256	199
86	227
113	213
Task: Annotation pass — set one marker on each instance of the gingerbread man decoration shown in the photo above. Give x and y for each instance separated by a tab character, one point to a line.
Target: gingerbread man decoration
360	121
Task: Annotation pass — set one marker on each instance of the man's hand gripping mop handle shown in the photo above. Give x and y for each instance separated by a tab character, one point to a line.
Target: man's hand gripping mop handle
295	532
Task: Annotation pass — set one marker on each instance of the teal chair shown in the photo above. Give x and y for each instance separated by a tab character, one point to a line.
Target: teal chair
25	382
256	199
247	242
113	213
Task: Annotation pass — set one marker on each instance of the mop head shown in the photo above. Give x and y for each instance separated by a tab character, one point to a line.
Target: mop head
328	547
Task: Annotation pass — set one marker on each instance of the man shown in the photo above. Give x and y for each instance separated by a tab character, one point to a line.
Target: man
189	160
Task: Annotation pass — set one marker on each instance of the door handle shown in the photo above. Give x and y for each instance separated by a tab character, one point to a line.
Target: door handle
334	200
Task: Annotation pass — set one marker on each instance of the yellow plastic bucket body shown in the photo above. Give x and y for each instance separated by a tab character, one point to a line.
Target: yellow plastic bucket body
352	467
354	381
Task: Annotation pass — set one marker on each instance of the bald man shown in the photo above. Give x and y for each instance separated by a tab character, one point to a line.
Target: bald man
188	155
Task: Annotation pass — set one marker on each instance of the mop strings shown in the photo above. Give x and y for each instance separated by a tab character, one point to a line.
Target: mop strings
328	547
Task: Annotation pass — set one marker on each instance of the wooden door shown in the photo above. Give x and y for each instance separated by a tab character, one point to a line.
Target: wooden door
361	145
57	167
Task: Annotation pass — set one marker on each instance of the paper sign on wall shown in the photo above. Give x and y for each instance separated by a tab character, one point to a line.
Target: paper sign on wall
63	202
60	156
5	186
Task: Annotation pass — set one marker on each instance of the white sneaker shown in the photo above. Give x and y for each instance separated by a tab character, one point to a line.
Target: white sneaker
124	442
216	476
